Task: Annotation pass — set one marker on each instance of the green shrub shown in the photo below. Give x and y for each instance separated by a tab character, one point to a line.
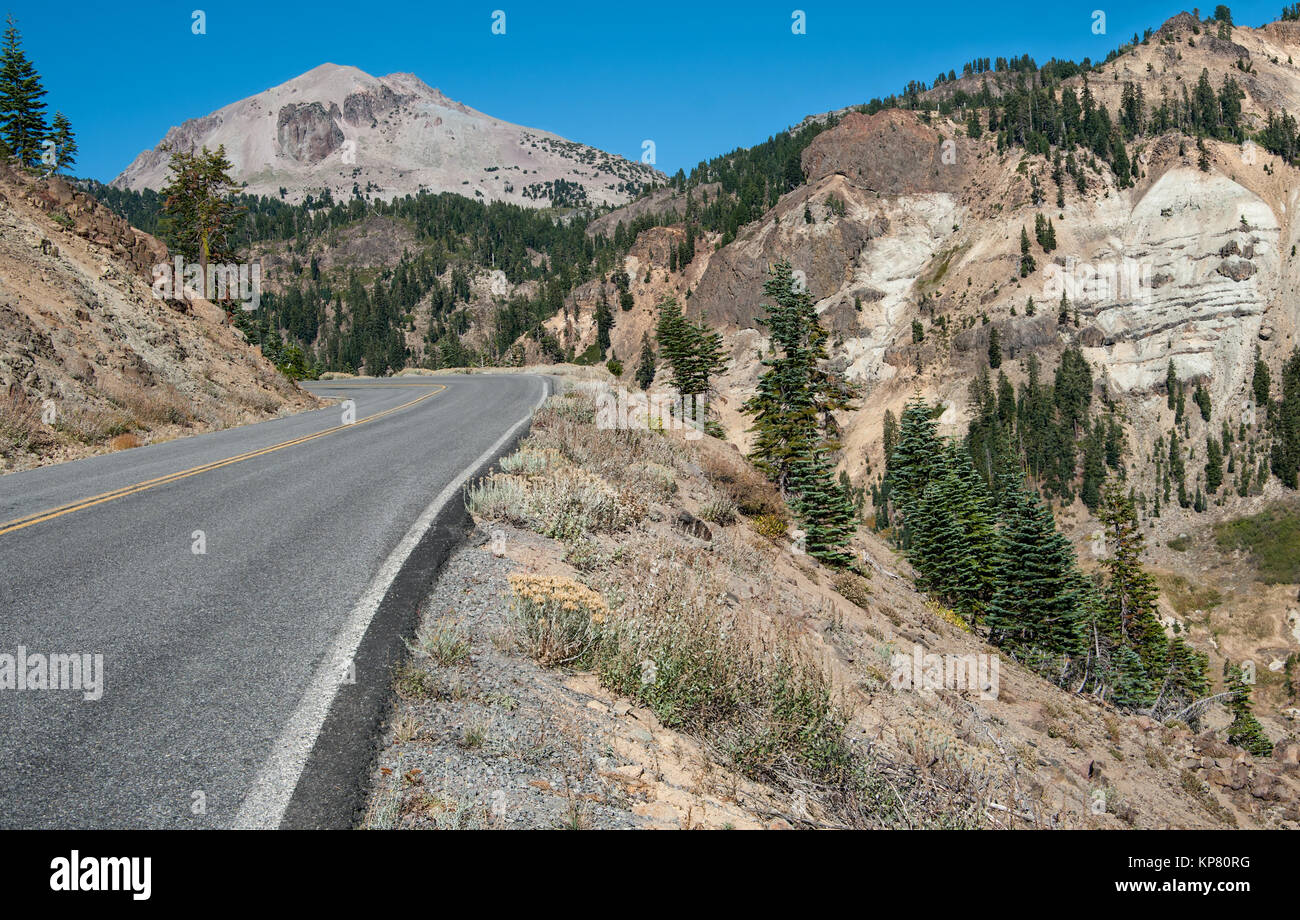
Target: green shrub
1272	538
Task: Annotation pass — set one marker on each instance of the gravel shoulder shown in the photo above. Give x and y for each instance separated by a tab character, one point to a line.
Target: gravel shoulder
480	736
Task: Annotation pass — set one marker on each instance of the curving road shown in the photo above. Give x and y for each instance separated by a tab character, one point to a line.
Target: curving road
240	684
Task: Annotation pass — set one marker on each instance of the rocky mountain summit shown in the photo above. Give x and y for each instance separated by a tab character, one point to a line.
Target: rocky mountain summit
339	129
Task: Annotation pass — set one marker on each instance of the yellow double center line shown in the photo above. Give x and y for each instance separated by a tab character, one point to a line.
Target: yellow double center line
148	484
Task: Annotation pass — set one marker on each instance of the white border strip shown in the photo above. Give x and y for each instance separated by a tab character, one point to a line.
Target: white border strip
264	806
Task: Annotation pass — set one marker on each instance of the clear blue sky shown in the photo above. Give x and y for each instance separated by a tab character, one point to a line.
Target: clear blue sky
697	78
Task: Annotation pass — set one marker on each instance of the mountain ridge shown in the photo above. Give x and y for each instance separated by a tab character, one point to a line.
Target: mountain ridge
340	129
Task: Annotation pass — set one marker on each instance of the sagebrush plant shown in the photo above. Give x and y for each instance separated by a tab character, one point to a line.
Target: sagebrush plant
529	460
719	509
634	458
559	618
563	503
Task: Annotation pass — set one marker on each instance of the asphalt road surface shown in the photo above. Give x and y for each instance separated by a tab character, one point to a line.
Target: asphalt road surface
247	590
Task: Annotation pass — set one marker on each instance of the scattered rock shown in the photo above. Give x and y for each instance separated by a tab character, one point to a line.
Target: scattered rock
1236	269
692	525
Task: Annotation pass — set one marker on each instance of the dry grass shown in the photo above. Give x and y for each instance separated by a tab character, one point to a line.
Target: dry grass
153	406
92	425
445	644
749	490
719	509
21	429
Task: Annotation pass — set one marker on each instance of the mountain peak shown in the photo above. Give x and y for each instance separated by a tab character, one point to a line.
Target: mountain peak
339	128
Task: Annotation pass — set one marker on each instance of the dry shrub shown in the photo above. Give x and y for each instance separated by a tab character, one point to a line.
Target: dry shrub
21	428
559	617
853	588
124	442
161	404
750	490
563	503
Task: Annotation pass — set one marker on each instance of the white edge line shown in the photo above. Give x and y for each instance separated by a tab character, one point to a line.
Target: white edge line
264	806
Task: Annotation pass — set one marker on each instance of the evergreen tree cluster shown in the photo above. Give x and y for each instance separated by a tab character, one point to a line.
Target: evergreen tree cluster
1049	429
457	238
990	548
25	135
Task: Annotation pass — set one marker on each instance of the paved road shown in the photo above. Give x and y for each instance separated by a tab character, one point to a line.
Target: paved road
240	684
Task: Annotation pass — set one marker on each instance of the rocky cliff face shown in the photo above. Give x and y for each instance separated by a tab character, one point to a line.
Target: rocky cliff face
901	220
341	129
307	133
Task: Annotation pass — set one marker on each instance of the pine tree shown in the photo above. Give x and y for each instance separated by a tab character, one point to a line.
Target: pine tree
995	348
1132	684
1245	731
1213	466
22	113
824	510
1130	593
645	371
888	435
916	456
785	406
1037	604
693	352
671	332
1260	382
1285	422
65	143
1027	263
1186	678
198	201
604	322
1178	468
792	410
1202	399
1094	467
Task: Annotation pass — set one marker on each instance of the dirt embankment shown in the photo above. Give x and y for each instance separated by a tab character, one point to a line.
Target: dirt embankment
632	640
90	360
